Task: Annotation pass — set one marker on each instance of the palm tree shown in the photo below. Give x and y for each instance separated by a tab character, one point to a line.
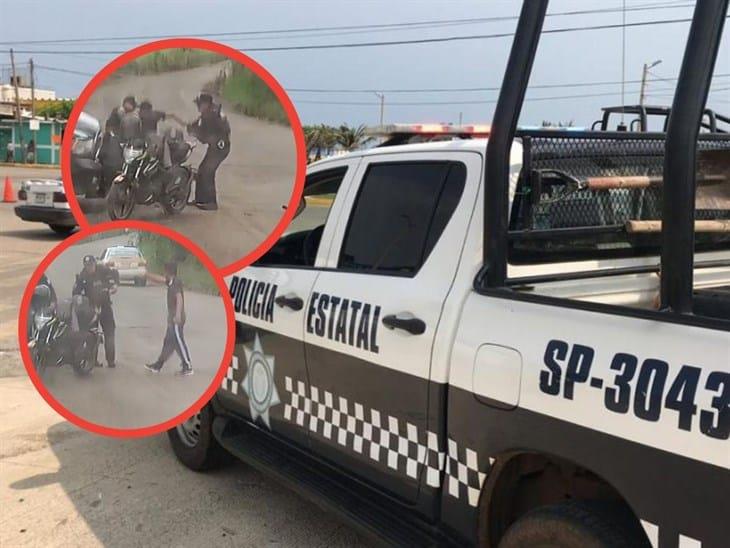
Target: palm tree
351	138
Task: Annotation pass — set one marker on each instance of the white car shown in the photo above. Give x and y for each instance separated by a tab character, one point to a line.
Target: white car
128	261
44	201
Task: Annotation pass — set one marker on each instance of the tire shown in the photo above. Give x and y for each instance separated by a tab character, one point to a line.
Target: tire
576	524
87	357
194	444
120	201
177	194
140	282
64	230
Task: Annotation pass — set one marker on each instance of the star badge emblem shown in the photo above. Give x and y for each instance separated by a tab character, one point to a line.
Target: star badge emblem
259	382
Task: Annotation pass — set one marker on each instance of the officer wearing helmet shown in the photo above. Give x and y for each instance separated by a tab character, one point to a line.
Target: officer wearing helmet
97	282
211	128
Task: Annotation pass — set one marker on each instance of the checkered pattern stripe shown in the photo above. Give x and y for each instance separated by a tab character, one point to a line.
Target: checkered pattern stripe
463	478
393	442
228	383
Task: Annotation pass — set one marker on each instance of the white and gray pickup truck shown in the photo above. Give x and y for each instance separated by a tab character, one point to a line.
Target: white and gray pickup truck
367	349
519	341
44	201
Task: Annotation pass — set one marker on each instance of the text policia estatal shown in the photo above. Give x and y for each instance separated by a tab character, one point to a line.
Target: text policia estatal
253	298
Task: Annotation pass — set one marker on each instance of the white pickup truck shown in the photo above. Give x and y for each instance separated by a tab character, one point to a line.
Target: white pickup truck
498	342
367	349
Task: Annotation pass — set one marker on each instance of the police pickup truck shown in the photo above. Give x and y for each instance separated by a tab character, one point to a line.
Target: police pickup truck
486	342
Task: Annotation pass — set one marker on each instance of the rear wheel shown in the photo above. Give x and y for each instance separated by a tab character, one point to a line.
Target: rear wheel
120	201
62	229
575	524
194	444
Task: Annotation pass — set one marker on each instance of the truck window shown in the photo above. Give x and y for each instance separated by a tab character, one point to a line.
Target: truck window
399	214
299	244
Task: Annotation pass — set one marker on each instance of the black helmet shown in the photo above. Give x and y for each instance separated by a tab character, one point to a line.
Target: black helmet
203	98
130	99
89	259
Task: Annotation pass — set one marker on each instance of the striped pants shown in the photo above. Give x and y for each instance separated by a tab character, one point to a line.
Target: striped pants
174	341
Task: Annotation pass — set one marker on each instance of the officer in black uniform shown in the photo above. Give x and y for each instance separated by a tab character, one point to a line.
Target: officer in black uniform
211	128
127	119
174	338
97	283
149	118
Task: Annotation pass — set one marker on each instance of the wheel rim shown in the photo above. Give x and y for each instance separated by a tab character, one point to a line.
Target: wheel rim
124	203
189	431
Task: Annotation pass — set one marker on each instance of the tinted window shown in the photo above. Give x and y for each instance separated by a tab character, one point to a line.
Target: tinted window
399	214
300	242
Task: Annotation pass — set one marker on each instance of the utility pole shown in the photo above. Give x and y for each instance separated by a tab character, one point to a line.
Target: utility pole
644	74
460	117
17	105
381	96
32	110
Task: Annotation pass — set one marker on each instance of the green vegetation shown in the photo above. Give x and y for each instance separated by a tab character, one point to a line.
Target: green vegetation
158	250
321	139
168	60
57	108
250	95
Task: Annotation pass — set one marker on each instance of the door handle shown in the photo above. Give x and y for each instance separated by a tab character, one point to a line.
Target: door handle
290	301
405	321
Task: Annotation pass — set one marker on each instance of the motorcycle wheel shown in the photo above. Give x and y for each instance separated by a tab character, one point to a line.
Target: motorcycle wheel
178	195
120	201
87	357
38	362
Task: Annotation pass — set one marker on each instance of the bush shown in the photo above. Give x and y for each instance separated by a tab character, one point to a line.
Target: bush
250	95
168	60
158	250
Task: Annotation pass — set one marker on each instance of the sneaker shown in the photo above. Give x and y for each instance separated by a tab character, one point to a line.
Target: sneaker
207	206
112	365
153	367
184	372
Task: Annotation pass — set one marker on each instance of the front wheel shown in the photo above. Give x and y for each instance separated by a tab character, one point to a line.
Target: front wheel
178	192
120	201
87	356
194	444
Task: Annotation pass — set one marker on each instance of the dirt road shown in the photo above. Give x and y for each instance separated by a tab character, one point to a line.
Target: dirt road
253	182
61	486
128	396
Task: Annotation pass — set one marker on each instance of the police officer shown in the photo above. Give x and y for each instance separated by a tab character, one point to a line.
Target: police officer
174	338
97	283
110	154
149	118
211	128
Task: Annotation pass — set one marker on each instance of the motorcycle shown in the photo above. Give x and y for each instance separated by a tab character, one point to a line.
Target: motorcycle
145	181
46	332
88	337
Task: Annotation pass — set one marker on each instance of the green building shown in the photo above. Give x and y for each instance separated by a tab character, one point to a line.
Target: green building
47	139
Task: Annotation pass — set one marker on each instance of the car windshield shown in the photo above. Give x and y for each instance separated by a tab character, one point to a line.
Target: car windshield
124	252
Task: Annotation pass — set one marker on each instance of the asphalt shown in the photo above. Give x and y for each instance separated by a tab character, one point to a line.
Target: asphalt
253	183
128	396
62	486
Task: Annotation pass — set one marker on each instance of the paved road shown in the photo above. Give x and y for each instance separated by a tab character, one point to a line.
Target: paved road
61	486
253	182
128	396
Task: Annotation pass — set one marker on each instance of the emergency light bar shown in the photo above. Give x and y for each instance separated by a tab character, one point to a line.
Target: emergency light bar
398	134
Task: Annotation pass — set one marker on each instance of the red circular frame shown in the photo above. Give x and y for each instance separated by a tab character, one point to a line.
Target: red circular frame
127	432
260	71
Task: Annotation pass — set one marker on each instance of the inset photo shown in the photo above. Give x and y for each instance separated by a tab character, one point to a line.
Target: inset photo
201	139
125	329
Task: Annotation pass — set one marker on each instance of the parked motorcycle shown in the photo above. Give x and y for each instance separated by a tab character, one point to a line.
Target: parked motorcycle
145	181
46	332
88	337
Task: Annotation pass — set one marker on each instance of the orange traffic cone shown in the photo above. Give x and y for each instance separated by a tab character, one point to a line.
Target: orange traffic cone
8	195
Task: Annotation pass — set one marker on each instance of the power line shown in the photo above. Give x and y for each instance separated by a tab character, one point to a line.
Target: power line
351	45
472	89
417	24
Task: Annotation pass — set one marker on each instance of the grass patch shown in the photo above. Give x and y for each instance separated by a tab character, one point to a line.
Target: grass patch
168	60
158	250
249	95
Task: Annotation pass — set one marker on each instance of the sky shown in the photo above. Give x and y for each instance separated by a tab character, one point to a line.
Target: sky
563	59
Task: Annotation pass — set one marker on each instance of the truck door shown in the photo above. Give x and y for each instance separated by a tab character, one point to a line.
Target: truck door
373	315
269	300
